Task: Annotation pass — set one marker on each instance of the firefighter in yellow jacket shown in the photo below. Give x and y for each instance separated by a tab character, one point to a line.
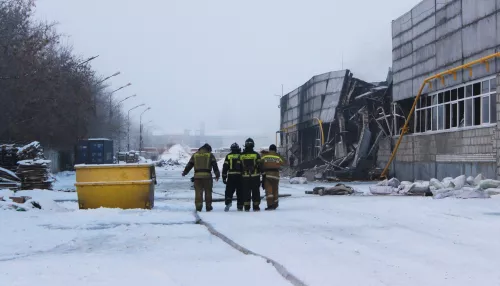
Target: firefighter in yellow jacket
231	177
250	164
203	162
271	162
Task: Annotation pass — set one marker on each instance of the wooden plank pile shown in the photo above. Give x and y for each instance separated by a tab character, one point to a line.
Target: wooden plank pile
34	174
9	180
31	170
8	157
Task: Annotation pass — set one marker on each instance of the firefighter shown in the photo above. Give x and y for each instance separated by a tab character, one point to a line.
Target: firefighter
250	161
231	177
271	162
203	162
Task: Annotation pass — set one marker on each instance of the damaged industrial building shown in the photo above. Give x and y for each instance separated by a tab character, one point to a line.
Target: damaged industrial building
333	123
338	126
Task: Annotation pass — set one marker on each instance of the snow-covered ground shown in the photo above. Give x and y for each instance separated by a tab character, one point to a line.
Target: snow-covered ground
330	240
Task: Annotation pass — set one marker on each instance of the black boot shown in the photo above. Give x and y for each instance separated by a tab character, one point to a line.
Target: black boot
209	208
270	208
256	208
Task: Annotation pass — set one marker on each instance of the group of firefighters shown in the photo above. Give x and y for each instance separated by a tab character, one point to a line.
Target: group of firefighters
244	172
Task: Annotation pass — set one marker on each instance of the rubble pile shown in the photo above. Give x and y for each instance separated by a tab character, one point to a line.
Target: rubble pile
35	174
460	187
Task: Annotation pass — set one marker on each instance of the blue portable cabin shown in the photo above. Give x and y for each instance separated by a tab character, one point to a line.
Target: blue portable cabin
94	151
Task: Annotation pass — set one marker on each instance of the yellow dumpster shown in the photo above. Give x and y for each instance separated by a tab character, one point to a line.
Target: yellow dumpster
122	186
114	173
124	195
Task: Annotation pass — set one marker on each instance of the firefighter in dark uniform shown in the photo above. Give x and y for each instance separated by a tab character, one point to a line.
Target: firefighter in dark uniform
231	177
203	162
271	162
250	161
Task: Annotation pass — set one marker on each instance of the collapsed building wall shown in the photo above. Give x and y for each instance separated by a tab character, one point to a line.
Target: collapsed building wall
336	121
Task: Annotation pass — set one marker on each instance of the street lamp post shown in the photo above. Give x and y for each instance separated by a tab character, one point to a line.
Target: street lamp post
110	97
118	104
106	78
140	128
128	123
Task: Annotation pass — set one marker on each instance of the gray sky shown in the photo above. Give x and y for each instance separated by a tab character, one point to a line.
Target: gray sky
221	61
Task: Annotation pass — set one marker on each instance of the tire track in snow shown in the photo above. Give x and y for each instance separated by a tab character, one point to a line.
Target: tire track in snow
279	267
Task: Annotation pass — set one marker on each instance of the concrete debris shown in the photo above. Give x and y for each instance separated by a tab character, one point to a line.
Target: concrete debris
459	182
470	181
478	179
337	190
492	191
437	184
298	181
488	184
383	190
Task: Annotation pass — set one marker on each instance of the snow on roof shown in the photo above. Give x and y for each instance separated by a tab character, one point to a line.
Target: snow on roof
99	139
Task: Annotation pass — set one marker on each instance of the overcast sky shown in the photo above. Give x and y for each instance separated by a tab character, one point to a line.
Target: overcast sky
222	61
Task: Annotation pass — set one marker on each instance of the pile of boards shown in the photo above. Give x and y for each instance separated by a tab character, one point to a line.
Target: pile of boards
24	167
34	174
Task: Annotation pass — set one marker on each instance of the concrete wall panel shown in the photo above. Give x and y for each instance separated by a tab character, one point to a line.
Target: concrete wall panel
423	10
403	38
449	49
403	63
401	24
403	171
424	26
447	13
402	75
396	54
440	4
498	27
479	71
449	81
444	170
402	90
473	10
479	36
424	170
425	68
406	49
424	39
424	53
417	82
450	26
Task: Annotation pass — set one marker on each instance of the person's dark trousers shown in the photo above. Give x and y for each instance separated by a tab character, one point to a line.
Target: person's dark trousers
234	185
254	184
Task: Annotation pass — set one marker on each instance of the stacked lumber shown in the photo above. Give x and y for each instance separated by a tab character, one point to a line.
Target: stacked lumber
9	180
34	174
8	157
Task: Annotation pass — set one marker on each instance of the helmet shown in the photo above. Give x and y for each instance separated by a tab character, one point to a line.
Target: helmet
235	147
249	143
272	148
207	147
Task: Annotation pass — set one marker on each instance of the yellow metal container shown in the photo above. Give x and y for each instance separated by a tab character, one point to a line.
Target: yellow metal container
124	195
114	173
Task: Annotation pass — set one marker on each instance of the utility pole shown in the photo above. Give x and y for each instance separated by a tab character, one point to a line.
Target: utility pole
128	124
110	99
140	129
